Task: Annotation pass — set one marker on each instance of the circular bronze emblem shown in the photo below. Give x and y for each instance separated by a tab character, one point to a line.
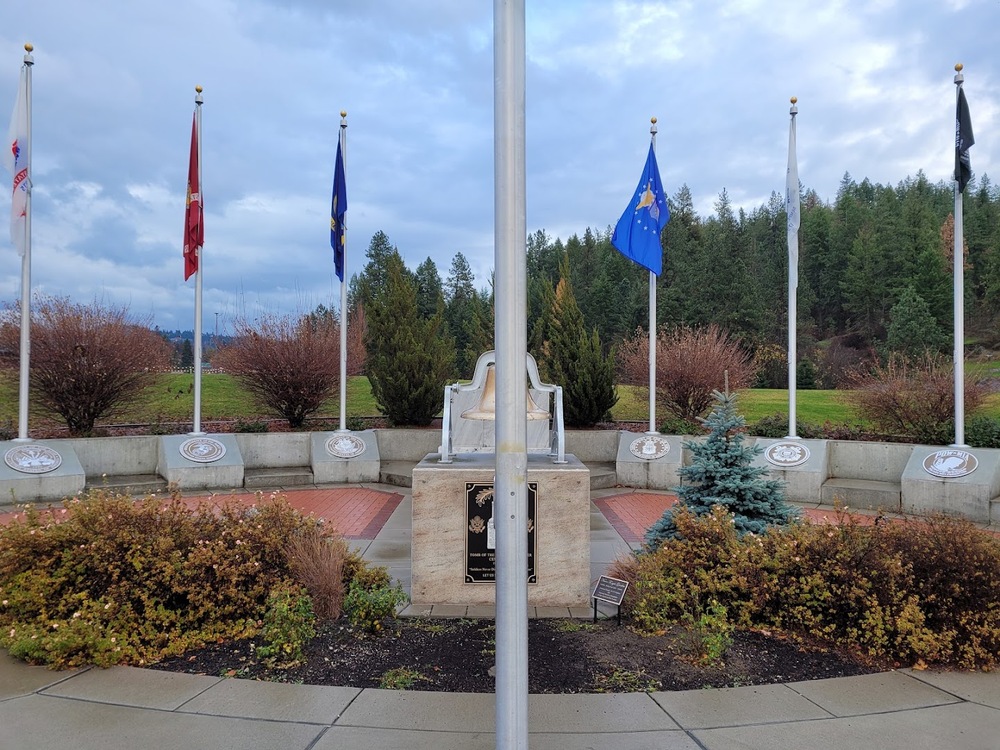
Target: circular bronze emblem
203	450
32	459
649	447
345	446
950	463
786	454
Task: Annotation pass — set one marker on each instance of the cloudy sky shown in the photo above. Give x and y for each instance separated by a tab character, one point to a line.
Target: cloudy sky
114	94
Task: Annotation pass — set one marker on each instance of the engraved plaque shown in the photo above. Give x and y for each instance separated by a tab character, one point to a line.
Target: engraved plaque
786	454
480	533
649	447
203	450
345	446
32	459
950	464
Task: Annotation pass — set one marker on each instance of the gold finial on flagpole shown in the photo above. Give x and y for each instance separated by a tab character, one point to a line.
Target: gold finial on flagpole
958	67
652	120
29	47
198	89
343	113
794	100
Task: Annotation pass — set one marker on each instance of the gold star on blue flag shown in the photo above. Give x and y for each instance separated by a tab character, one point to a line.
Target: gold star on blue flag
637	234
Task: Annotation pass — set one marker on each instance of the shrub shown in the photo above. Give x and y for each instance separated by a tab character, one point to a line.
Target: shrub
367	609
691	363
243	425
288	625
773	426
926	592
87	361
672	425
805	375
317	560
108	580
982	431
291	365
914	398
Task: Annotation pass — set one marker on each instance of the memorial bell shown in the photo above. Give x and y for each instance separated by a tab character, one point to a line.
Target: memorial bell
486	409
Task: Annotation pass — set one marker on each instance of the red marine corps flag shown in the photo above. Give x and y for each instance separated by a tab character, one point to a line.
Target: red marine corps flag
194	225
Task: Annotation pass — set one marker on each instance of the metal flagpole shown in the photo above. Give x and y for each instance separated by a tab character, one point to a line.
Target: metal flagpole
510	490
22	407
792	211
198	280
958	261
652	322
343	291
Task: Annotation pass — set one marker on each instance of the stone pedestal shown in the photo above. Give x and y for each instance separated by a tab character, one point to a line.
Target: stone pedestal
648	462
957	481
39	470
452	507
200	462
344	457
801	464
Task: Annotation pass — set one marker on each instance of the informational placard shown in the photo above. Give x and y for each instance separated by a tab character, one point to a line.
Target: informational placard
480	533
610	589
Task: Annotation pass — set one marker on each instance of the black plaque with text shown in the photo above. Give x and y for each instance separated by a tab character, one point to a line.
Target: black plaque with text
480	534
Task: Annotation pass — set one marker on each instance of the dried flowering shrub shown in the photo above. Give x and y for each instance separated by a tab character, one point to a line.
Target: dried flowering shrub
918	593
111	580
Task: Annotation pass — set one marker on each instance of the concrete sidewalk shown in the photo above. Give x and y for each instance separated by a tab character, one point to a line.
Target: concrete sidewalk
125	708
135	709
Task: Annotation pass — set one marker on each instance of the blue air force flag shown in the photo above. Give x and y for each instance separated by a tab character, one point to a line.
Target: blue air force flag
637	234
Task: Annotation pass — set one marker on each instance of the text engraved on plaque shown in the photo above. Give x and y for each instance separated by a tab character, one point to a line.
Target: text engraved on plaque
480	533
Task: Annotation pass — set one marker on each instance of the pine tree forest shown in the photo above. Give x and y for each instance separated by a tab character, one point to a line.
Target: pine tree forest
871	253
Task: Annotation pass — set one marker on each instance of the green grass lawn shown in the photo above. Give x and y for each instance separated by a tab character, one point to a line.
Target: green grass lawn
172	400
811	406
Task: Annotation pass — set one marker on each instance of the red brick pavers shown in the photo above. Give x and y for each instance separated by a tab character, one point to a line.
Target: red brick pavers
632	513
357	512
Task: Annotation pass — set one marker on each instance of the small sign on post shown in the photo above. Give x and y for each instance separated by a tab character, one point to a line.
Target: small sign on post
610	590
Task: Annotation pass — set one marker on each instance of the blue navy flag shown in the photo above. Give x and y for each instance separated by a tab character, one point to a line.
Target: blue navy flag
338	209
637	234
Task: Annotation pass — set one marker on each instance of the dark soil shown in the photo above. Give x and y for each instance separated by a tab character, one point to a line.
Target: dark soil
564	656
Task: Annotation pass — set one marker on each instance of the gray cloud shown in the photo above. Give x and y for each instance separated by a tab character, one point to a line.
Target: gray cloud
114	87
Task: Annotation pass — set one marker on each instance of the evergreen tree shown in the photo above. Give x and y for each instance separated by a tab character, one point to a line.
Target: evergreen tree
430	293
460	300
187	354
720	474
913	330
575	361
409	357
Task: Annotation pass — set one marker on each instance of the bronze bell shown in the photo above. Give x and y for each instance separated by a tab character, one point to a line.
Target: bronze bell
486	409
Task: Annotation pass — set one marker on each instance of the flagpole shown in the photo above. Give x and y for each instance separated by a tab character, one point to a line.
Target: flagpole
198	279
510	509
25	354
792	213
343	291
958	262
652	322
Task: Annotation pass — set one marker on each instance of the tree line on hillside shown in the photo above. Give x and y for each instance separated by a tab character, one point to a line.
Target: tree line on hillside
875	281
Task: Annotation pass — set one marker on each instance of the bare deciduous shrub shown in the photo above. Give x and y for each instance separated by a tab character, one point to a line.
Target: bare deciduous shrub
290	365
87	361
691	363
914	397
318	560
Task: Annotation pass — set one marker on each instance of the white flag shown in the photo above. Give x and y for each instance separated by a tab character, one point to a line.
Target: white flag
792	210
15	159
